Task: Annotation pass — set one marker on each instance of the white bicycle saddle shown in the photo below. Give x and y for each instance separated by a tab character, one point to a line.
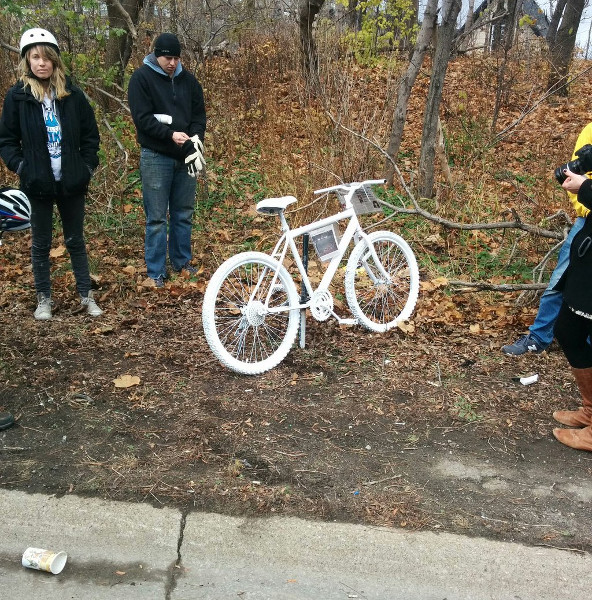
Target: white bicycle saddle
274	205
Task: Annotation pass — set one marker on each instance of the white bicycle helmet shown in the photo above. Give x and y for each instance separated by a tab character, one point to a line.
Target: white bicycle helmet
15	210
35	36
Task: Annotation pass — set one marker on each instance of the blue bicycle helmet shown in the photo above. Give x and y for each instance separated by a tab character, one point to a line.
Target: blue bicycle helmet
15	210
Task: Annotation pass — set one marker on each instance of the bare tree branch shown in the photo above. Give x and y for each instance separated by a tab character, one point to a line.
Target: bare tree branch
516	223
125	15
502	287
8	47
104	92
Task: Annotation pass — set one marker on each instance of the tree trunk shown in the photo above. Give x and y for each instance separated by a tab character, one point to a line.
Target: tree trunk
354	19
423	41
555	19
562	49
122	15
470	16
510	33
430	124
497	27
307	11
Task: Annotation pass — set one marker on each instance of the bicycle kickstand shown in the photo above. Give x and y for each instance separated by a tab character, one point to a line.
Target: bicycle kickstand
303	293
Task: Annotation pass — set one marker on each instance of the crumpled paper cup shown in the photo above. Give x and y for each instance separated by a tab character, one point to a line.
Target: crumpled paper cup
44	560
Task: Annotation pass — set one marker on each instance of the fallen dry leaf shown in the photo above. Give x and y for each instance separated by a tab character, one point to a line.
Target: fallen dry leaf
126	381
57	252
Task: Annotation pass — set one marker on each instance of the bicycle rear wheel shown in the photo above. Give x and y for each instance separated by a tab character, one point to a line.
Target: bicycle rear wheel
240	328
377	302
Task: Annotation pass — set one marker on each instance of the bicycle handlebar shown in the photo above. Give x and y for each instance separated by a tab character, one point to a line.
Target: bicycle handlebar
348	186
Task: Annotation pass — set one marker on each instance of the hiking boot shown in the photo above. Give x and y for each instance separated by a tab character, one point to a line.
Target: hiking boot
159	281
89	304
6	420
43	310
527	343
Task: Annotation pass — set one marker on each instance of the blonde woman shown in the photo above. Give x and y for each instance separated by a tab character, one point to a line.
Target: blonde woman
49	137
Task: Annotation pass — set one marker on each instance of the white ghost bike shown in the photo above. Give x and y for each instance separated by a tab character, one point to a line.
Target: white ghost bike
252	309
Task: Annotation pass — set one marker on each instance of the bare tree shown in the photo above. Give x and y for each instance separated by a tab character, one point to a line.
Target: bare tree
555	19
511	21
446	31
423	41
562	48
307	12
470	15
354	16
123	16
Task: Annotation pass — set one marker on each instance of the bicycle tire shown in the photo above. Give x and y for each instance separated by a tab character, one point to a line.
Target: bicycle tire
376	304
241	334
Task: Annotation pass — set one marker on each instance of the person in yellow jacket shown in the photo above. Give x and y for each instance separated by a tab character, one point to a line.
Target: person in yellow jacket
540	333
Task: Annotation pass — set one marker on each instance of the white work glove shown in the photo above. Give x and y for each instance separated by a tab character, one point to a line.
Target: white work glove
195	161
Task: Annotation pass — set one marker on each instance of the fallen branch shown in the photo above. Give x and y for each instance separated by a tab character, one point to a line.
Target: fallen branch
502	287
516	223
381	480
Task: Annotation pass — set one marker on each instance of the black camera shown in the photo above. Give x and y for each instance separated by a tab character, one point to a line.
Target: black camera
581	165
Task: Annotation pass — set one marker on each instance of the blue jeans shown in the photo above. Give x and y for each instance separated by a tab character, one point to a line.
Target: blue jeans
71	210
166	187
551	300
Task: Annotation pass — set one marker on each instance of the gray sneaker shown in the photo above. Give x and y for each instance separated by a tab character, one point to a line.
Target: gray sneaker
527	343
43	310
89	304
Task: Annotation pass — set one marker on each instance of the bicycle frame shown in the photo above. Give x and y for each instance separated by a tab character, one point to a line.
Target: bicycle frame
287	241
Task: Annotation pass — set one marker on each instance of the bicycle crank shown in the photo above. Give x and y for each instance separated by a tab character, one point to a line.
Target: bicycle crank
321	305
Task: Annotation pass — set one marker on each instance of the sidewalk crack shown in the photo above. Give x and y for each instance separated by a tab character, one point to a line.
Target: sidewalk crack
176	570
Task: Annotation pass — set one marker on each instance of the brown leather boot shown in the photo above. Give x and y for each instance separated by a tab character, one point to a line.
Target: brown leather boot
580	439
583	416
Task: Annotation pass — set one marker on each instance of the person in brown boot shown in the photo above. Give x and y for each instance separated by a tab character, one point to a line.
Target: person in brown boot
582	417
574	323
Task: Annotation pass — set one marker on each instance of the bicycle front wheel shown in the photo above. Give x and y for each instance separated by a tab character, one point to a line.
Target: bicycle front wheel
382	297
250	317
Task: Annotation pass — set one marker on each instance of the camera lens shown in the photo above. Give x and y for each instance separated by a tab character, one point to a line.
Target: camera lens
574	166
560	175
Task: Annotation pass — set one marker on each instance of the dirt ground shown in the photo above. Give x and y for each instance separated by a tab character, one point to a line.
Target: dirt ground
427	429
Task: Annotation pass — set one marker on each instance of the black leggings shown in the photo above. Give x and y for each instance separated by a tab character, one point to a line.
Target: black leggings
572	332
71	211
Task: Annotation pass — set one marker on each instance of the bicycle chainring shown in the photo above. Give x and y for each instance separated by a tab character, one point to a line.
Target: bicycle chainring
321	305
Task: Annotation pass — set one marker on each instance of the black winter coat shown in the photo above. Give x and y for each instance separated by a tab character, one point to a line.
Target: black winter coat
576	282
23	141
152	92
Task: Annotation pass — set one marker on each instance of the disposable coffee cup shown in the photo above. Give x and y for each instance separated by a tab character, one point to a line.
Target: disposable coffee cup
44	560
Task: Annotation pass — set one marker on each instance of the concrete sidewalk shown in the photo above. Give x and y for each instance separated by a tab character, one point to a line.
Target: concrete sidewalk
128	551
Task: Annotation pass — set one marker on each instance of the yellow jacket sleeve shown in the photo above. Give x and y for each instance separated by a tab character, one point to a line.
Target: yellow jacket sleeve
584	138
